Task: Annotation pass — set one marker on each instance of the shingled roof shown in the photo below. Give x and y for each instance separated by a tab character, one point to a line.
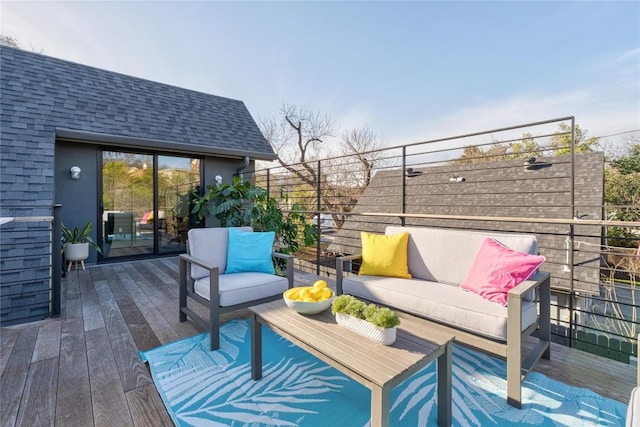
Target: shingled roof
88	103
493	189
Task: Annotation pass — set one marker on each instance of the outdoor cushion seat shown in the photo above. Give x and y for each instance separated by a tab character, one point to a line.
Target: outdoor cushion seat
240	288
203	279
448	304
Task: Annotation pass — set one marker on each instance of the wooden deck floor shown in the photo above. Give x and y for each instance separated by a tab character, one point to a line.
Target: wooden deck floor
83	368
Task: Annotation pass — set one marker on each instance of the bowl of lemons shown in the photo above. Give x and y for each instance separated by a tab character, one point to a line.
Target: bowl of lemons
309	299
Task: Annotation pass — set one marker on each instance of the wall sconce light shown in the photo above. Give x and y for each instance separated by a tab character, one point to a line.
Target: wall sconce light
75	172
457	179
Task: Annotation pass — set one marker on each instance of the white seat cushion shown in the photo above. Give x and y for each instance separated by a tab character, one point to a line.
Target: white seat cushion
238	288
442	302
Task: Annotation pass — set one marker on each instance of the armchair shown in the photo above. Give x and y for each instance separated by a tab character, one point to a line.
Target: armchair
203	279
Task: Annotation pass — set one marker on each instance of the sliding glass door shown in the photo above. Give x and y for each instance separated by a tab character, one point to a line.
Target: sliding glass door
177	177
146	203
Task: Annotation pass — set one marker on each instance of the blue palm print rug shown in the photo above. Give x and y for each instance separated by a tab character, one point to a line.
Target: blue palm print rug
200	387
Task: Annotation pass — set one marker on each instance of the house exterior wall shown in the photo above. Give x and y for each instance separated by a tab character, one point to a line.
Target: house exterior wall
78	197
43	97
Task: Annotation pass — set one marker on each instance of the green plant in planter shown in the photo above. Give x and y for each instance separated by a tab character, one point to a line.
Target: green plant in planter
378	316
242	203
78	236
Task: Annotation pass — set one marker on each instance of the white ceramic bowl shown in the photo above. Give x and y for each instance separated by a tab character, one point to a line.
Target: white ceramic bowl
303	307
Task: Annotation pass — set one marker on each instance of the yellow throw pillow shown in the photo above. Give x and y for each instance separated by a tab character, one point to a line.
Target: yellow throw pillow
385	255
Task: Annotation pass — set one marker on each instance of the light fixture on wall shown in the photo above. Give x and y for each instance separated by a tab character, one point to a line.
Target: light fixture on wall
75	172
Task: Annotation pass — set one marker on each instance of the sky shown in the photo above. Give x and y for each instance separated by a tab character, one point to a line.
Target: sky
410	71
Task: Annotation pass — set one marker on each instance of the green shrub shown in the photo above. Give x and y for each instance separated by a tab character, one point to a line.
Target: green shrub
378	316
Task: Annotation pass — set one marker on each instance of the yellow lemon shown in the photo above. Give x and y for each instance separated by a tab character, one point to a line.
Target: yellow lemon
326	293
315	293
292	294
320	284
309	299
305	293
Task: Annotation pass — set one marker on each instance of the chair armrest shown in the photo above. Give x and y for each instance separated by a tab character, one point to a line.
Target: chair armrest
289	265
185	276
340	264
199	262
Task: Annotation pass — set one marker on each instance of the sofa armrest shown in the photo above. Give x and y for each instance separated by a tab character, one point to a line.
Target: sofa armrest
288	266
533	282
541	280
340	266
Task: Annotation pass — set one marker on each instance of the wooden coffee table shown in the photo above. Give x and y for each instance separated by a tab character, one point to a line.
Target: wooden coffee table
376	366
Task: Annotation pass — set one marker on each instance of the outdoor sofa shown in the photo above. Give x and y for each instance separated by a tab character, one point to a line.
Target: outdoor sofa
438	261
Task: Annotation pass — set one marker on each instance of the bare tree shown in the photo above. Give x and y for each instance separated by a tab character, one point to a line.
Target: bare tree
301	137
365	146
298	138
6	40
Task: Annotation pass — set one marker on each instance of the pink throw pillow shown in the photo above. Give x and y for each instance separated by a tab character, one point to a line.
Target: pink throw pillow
497	269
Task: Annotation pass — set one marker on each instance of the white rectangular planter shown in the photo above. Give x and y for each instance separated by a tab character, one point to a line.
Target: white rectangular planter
366	329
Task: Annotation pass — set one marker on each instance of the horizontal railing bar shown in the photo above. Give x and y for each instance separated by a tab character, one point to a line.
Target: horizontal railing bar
27	219
555	221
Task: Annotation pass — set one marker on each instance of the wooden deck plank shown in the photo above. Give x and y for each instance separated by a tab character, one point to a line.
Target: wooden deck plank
133	372
147	408
165	301
162	328
91	312
14	377
141	331
48	342
38	405
107	394
8	339
72	285
73	406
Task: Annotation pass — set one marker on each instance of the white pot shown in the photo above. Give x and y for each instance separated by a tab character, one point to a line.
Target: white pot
386	336
76	251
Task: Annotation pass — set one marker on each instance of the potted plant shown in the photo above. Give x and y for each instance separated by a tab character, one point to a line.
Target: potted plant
369	320
76	242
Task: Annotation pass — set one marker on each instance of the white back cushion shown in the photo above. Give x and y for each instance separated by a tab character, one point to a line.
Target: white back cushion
209	245
443	255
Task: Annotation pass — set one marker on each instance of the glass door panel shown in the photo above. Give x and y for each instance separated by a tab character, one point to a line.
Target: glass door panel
177	177
127	202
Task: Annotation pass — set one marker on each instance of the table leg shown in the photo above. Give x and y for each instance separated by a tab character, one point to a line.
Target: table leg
256	348
444	387
380	406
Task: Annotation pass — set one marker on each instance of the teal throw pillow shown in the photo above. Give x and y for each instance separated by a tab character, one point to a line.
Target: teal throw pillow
250	252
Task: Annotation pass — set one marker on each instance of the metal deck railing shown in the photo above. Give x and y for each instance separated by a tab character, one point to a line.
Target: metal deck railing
530	178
